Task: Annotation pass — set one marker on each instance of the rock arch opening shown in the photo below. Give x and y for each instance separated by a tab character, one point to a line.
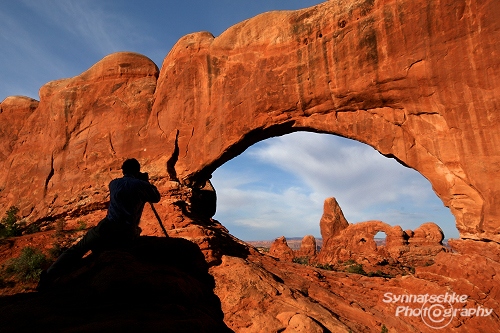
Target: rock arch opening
278	186
380	238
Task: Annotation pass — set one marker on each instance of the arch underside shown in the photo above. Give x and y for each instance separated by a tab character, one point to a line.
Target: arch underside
445	177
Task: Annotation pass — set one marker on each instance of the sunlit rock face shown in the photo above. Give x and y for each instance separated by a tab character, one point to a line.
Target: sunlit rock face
280	249
416	80
332	221
69	146
357	242
308	247
413	79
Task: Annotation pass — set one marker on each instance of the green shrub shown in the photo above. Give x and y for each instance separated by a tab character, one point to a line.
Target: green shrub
327	267
379	273
356	268
81	225
28	266
32	229
10	225
384	329
301	260
55	251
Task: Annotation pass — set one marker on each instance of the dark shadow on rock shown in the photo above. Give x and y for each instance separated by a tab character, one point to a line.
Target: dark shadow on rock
161	285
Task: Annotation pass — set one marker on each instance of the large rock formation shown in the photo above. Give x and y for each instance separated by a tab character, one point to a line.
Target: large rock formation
356	242
377	72
416	80
68	148
425	241
332	221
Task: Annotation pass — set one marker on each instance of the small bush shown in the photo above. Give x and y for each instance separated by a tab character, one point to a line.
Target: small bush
28	266
55	251
81	225
10	225
384	329
379	273
357	269
327	267
60	227
301	260
32	229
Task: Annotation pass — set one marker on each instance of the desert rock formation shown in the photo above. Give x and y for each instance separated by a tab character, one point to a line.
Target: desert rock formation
280	249
419	81
332	221
356	242
343	241
379	72
308	247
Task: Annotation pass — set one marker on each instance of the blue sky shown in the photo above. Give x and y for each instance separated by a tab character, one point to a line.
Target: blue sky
276	187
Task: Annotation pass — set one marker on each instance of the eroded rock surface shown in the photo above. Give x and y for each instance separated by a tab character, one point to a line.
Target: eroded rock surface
270	75
280	249
308	247
332	221
260	293
356	242
416	80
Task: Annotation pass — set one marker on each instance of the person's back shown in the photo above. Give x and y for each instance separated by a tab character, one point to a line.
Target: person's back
128	195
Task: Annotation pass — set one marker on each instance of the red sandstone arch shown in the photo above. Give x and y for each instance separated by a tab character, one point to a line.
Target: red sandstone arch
416	80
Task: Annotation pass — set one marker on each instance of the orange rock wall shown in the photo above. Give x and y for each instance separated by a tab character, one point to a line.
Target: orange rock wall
70	146
417	80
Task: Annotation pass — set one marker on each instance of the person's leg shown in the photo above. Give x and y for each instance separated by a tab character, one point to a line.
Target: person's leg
72	255
106	235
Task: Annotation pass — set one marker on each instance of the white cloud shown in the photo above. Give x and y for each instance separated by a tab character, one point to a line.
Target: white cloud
351	172
251	212
314	167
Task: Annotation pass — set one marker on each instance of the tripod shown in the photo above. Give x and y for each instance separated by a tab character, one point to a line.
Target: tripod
159	219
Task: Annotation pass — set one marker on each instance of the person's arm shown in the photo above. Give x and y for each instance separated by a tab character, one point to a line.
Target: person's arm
149	192
154	195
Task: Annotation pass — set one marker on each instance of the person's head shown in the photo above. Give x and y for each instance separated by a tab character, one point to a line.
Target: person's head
131	167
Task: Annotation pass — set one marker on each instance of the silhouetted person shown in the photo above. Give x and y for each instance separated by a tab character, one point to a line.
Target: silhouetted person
120	227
